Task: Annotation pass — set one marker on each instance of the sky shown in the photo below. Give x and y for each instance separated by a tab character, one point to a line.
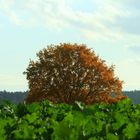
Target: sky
111	28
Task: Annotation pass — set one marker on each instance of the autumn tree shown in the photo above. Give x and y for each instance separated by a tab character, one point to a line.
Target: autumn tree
72	72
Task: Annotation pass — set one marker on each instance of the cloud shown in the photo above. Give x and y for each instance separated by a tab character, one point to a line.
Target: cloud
135	4
49	13
130	24
16	12
109	19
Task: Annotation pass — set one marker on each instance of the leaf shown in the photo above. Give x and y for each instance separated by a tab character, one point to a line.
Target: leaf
111	136
131	130
63	129
79	105
2	130
31	118
21	110
33	107
120	120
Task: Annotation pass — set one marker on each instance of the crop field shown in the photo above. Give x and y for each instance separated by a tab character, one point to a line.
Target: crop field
48	121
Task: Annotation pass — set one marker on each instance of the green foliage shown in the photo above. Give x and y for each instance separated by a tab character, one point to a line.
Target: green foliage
45	120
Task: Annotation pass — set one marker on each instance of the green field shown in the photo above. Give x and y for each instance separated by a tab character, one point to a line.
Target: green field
47	121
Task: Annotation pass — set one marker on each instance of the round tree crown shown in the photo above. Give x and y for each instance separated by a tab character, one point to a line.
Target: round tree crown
71	72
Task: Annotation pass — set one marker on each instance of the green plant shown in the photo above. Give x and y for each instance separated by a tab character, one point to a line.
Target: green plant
45	120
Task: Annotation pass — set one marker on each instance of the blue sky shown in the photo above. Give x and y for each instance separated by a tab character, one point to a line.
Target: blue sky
111	28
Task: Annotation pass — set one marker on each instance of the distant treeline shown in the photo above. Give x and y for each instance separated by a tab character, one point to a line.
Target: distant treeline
14	97
18	97
134	95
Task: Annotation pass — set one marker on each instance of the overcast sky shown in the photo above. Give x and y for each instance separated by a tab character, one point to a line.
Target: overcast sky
111	28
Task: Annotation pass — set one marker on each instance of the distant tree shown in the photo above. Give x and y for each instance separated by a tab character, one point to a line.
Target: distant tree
134	95
70	72
14	97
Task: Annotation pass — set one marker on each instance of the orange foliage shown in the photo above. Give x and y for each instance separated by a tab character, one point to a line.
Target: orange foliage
70	72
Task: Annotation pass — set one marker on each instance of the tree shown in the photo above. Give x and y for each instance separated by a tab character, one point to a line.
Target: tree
70	72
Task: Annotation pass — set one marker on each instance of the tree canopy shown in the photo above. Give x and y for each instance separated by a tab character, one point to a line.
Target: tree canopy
71	72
